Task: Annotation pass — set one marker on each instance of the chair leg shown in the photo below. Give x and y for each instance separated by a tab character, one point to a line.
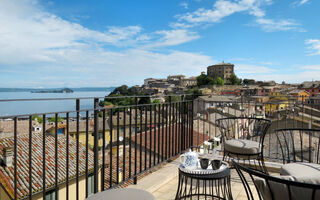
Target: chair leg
224	155
264	168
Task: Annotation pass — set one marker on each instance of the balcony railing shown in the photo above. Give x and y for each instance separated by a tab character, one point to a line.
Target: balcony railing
73	154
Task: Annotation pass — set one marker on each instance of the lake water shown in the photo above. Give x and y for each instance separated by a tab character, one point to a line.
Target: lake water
31	107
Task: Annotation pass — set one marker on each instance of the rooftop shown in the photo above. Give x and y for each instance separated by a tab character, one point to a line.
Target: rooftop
7	173
222	64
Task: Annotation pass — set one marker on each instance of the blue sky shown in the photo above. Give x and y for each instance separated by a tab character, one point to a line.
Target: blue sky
81	43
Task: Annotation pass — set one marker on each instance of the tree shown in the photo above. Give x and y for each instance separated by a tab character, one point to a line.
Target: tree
248	81
202	80
122	90
195	93
39	119
106	103
144	100
218	81
210	80
53	119
173	98
234	80
156	101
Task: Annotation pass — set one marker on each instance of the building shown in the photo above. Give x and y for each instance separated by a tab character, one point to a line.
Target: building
204	103
62	129
231	92
7	168
223	70
313	87
187	82
302	95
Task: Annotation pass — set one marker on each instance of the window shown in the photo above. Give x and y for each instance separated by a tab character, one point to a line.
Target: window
51	195
60	131
100	135
90	184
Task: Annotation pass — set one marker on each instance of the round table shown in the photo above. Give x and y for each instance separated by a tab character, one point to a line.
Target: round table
121	194
209	183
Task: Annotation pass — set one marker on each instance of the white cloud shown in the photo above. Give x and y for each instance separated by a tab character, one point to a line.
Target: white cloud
41	45
288	78
185	5
297	75
313	46
244	69
300	2
174	37
224	8
311	67
270	25
303	2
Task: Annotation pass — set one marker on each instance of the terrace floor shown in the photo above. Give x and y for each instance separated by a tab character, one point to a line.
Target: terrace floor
163	183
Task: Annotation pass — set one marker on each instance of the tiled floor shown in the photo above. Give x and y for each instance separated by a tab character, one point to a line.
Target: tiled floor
168	190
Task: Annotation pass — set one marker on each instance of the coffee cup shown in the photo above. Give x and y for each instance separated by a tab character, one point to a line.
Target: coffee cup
216	164
204	163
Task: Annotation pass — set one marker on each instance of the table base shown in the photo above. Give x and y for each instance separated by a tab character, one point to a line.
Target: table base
201	187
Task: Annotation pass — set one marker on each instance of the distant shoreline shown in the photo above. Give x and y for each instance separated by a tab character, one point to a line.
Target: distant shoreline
38	90
65	90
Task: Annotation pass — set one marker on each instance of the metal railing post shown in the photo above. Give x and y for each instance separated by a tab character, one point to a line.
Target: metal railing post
95	147
77	146
191	135
135	140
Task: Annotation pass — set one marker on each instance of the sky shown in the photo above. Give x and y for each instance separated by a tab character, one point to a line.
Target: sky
87	43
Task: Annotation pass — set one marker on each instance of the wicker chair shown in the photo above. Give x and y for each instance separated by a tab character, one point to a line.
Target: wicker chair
242	138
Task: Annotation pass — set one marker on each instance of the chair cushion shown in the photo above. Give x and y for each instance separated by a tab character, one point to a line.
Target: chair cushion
122	193
242	146
303	172
280	191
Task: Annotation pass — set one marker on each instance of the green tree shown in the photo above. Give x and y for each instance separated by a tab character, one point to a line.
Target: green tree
106	103
218	81
194	93
173	98
210	80
248	81
39	119
122	90
202	80
234	80
53	119
144	100
156	101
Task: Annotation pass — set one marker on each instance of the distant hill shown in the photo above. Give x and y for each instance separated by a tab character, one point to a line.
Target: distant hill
82	89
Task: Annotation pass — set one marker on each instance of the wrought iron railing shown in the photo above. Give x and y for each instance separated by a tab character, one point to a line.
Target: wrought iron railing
84	151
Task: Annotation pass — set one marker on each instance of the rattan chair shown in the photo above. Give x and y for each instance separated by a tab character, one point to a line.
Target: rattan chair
242	138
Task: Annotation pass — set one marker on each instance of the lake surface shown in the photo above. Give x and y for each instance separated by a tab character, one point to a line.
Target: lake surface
31	107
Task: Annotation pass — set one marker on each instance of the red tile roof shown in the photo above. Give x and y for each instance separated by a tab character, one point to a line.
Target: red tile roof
7	173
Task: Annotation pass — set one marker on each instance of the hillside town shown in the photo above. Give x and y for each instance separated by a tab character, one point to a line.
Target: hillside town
261	91
127	126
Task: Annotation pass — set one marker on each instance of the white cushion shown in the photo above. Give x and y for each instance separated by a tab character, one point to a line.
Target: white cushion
242	146
302	172
280	190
